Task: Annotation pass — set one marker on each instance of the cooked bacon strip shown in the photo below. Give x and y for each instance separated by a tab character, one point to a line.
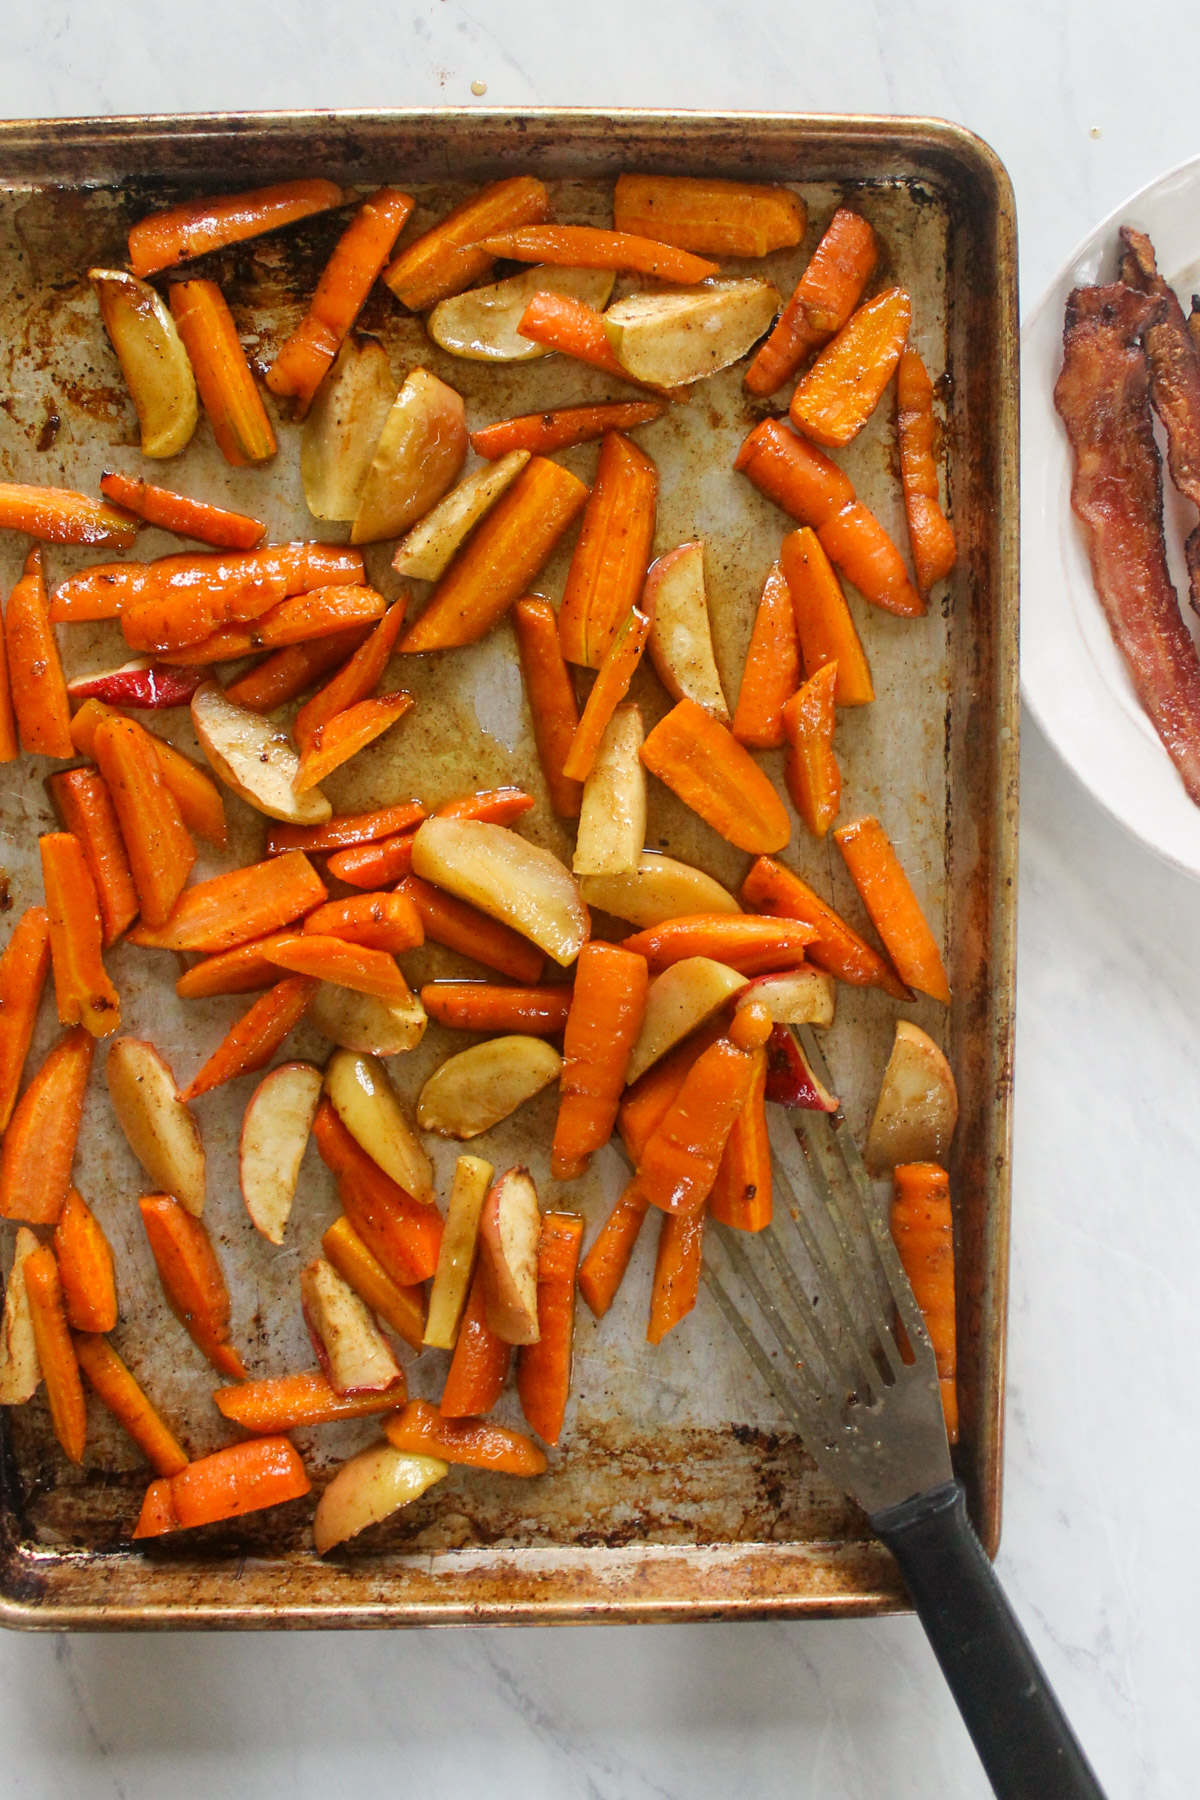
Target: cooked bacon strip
1103	396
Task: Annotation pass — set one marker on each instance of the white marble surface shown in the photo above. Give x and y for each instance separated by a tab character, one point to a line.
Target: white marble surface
1085	102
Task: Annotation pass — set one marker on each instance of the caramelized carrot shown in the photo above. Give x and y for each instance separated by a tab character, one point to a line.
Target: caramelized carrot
286	674
404	1234
39	1144
289	1402
930	531
711	217
85	1267
39	687
609	566
379	921
196	226
342	737
699	760
10	747
354	681
810	769
56	1352
867	556
573	328
23	970
479	1365
500	558
240	971
608	690
741	1194
346	829
544	1368
322	612
238	907
772	668
895	910
823	623
490	806
835	399
157	1515
459	926
344	964
191	1279
242	1478
181	626
606	1014
544	432
83	992
61	516
160	851
679	1161
226	386
107	589
449	258
482	1006
374	865
253	1040
403	1308
421	1430
603	1268
825	296
551	699
121	1394
84	804
750	945
771	888
923	1230
195	794
590	247
181	514
676	1272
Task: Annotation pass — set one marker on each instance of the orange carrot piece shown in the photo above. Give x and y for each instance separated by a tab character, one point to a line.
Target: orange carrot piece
374	865
482	1006
10	746
191	1279
741	1194
770	888
160	851
708	216
810	769
676	1272
480	1363
403	1308
835	399
590	247
61	516
930	531
751	945
772	668
83	803
699	760
240	971
85	1267
83	992
242	1478
825	296
253	1040
449	258
238	907
289	1402
867	556
544	432
39	1144
459	926
56	1352
317	613
603	1268
181	514
342	737
403	1234
194	227
500	558
182	627
607	1009
551	698
379	921
39	687
544	1368
573	328
345	964
354	681
612	555
116	1386
646	1104
344	830
922	1227
106	590
608	690
346	280
895	910
195	793
679	1161
223	378
490	806
285	674
823	623
23	970
157	1515
477	1443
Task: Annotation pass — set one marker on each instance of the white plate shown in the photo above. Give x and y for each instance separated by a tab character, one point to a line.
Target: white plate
1072	677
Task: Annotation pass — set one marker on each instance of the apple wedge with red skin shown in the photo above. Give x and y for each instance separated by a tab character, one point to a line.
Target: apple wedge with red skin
793	996
354	1354
143	684
275	1130
791	1079
369	1488
161	1129
917	1109
510	1228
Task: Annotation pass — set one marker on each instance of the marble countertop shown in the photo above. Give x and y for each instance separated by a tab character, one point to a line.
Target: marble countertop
1084	104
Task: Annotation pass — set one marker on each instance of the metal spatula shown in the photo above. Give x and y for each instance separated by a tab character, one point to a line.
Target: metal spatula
813	1299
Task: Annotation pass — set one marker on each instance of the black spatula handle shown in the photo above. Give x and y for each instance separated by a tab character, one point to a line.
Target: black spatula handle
1019	1729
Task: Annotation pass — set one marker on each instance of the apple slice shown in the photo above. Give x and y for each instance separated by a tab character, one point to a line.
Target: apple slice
917	1108
429	548
612	814
482	323
369	1488
275	1128
344	426
162	1131
255	758
353	1352
368	1106
456	1257
20	1370
681	646
366	1023
794	996
680	1000
670	339
141	683
152	358
420	451
659	888
510	1229
791	1079
508	878
474	1090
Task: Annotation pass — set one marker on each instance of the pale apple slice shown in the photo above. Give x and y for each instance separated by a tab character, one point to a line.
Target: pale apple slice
681	646
456	1256
254	757
161	1129
680	1000
275	1128
20	1370
659	888
794	997
510	1229
430	547
368	1489
369	1107
366	1023
420	451
341	431
474	1090
917	1108
612	814
792	1081
353	1352
508	878
152	358
482	323
670	339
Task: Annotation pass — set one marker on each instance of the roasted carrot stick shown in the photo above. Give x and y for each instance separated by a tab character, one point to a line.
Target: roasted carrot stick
703	763
482	1006
448	258
835	399
741	1194
403	1308
491	806
711	217
573	328
238	907
609	566
603	1268
551	698
324	612
500	558
320	612
197	226
191	1279
421	1430
823	622
923	1230
181	514
544	1368
122	1395
240	971
811	771
342	737
374	865
83	992
379	921
354	681
750	945
344	830
253	1040
158	1511
826	295
180	626
404	1234
676	1272
10	746
285	674
39	688
646	1104
289	1402
895	910
479	1366
84	804
195	794
61	516
770	888
39	1144
606	1014
23	970
549	431
590	247
459	926
772	668
679	1161
242	1478
344	964
85	1267
160	851
56	1352
106	589
608	690
930	531
226	386
346	280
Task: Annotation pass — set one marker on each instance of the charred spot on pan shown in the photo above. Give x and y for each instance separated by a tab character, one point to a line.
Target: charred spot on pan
50	429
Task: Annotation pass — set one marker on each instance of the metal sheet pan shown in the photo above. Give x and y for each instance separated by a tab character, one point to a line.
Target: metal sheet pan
677	1492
